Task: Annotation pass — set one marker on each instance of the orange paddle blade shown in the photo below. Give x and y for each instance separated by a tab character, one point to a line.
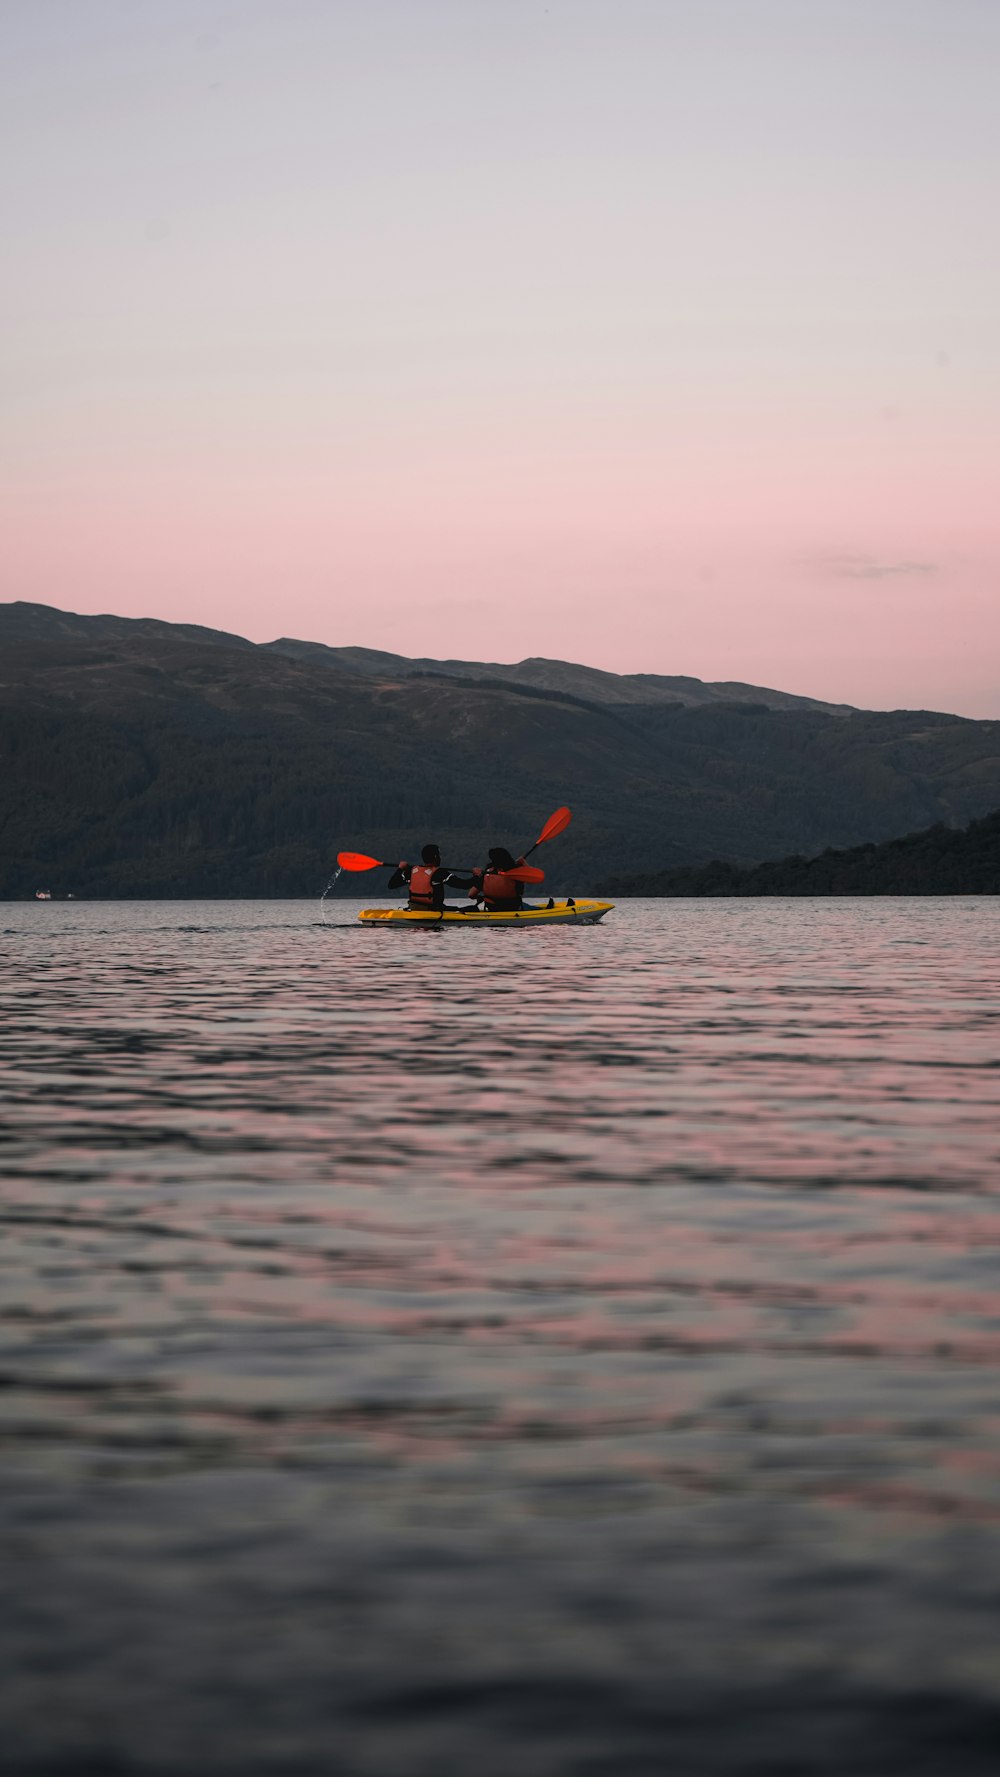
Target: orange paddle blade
556	823
356	860
526	873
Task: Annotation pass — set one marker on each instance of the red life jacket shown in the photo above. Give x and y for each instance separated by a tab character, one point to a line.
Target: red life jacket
422	885
500	891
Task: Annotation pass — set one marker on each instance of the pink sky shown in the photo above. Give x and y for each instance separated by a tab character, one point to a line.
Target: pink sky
660	336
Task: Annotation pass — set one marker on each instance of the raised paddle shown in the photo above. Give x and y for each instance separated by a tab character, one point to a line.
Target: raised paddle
556	824
358	860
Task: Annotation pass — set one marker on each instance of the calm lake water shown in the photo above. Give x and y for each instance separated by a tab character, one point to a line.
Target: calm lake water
430	1354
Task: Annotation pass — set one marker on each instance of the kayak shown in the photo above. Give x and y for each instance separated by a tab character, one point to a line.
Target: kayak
575	913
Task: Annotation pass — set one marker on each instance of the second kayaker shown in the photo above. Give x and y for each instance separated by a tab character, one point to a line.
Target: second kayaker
494	890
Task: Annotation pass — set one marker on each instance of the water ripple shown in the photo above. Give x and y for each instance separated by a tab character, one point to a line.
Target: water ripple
553	1348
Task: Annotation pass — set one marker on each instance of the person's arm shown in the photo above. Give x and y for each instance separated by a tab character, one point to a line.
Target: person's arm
399	877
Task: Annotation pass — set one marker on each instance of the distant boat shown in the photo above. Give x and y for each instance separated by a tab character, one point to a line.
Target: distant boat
43	894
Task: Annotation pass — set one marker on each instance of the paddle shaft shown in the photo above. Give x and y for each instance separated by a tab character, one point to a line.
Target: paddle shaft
468	869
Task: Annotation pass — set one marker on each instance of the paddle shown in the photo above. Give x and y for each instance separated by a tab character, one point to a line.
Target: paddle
556	824
358	860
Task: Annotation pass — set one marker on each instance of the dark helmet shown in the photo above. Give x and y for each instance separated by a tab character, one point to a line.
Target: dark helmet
431	854
500	857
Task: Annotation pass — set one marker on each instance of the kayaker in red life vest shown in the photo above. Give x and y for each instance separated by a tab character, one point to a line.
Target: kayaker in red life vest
427	881
493	889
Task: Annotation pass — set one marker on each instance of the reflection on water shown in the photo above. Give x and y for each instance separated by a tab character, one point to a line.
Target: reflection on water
563	1352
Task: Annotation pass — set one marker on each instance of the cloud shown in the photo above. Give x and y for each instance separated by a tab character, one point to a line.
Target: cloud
849	564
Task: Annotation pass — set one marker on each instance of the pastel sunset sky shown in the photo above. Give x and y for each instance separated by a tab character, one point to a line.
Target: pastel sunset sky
662	335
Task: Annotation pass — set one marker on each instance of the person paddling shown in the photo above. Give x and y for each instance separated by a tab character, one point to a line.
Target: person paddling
494	890
427	881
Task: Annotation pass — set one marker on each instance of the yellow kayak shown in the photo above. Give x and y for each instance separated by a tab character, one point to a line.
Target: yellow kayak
574	913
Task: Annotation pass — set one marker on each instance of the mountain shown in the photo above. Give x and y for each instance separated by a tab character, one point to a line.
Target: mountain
21	622
937	861
147	758
588	682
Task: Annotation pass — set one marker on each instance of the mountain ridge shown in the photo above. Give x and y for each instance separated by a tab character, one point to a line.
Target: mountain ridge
144	758
25	621
542	673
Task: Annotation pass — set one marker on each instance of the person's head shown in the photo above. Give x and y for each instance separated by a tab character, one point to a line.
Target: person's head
500	858
431	854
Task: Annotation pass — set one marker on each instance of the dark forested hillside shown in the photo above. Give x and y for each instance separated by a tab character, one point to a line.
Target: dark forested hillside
143	758
939	861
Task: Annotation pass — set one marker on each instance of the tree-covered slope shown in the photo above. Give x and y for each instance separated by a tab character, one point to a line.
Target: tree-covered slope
939	861
157	759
